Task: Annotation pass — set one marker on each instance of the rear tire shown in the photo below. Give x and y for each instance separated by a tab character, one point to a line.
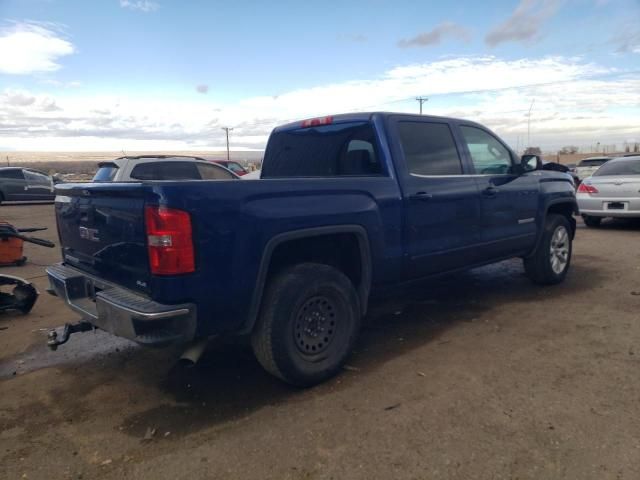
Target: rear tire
549	264
1	198
590	221
308	323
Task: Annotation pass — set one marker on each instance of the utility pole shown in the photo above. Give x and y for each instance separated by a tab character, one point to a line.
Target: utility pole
529	124
227	129
422	100
8	164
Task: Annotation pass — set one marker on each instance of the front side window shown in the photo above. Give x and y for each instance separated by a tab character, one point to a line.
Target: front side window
236	168
429	148
35	178
213	172
489	156
341	149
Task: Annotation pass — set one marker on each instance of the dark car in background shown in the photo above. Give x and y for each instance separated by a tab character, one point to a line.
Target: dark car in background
25	184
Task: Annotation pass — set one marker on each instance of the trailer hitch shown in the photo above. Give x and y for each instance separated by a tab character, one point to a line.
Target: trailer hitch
52	338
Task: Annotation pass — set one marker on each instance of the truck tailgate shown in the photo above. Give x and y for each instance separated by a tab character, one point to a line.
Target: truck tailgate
102	231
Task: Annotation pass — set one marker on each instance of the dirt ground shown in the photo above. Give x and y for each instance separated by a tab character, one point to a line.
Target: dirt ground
478	376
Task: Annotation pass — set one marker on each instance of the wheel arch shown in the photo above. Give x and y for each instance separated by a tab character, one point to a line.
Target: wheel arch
308	236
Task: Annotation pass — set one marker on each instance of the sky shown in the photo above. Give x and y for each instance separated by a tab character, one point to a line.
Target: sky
111	75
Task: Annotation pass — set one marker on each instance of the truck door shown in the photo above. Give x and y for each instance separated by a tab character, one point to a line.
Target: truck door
509	199
38	186
442	212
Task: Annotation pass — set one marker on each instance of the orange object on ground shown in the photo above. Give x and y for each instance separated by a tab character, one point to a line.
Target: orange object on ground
10	247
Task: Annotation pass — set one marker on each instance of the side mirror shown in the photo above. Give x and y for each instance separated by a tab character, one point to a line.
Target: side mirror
530	162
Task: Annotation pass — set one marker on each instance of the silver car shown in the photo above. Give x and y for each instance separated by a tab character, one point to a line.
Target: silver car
612	191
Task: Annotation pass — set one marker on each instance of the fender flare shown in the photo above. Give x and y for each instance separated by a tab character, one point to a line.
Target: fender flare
548	205
365	265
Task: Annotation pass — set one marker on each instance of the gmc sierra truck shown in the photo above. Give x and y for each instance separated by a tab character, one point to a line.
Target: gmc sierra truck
346	206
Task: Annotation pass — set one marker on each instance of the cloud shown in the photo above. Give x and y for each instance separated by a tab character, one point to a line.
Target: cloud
525	22
140	5
202	89
31	47
576	101
435	36
627	39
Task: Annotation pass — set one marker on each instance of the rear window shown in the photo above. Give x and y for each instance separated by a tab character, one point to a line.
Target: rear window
182	170
106	172
625	167
342	149
593	163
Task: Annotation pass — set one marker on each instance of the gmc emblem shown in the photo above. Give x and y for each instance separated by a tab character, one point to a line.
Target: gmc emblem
91	234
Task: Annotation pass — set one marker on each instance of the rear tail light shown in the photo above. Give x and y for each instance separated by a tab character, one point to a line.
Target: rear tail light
170	241
584	188
315	122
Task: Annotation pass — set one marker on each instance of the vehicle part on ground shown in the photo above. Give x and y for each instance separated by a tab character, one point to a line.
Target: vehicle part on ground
549	263
53	342
22	297
309	322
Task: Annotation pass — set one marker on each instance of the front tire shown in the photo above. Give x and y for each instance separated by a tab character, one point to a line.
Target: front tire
549	264
591	221
308	323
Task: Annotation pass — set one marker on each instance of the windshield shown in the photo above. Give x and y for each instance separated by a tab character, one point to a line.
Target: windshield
596	162
624	167
106	172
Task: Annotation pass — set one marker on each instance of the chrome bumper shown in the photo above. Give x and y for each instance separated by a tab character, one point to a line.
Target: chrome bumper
120	311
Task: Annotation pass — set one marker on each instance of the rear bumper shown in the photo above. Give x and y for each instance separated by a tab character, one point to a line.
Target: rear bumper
598	206
120	311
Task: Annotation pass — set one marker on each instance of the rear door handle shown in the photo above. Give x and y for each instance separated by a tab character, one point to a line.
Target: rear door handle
421	196
490	191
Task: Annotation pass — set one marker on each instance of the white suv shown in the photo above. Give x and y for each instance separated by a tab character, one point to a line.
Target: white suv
588	166
160	167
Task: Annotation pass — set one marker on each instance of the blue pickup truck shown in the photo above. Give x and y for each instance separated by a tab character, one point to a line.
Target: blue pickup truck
347	206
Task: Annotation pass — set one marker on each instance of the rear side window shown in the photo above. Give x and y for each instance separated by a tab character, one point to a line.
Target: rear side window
14	173
343	149
166	171
625	167
429	148
106	172
213	172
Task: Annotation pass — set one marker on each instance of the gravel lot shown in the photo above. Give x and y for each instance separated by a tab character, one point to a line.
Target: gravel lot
478	376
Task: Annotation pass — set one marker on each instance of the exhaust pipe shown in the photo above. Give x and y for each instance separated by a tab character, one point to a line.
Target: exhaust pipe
193	352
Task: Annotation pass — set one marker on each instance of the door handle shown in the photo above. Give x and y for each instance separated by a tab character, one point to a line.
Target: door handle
421	196
490	191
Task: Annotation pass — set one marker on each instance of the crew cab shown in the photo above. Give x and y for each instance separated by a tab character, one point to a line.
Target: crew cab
347	206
